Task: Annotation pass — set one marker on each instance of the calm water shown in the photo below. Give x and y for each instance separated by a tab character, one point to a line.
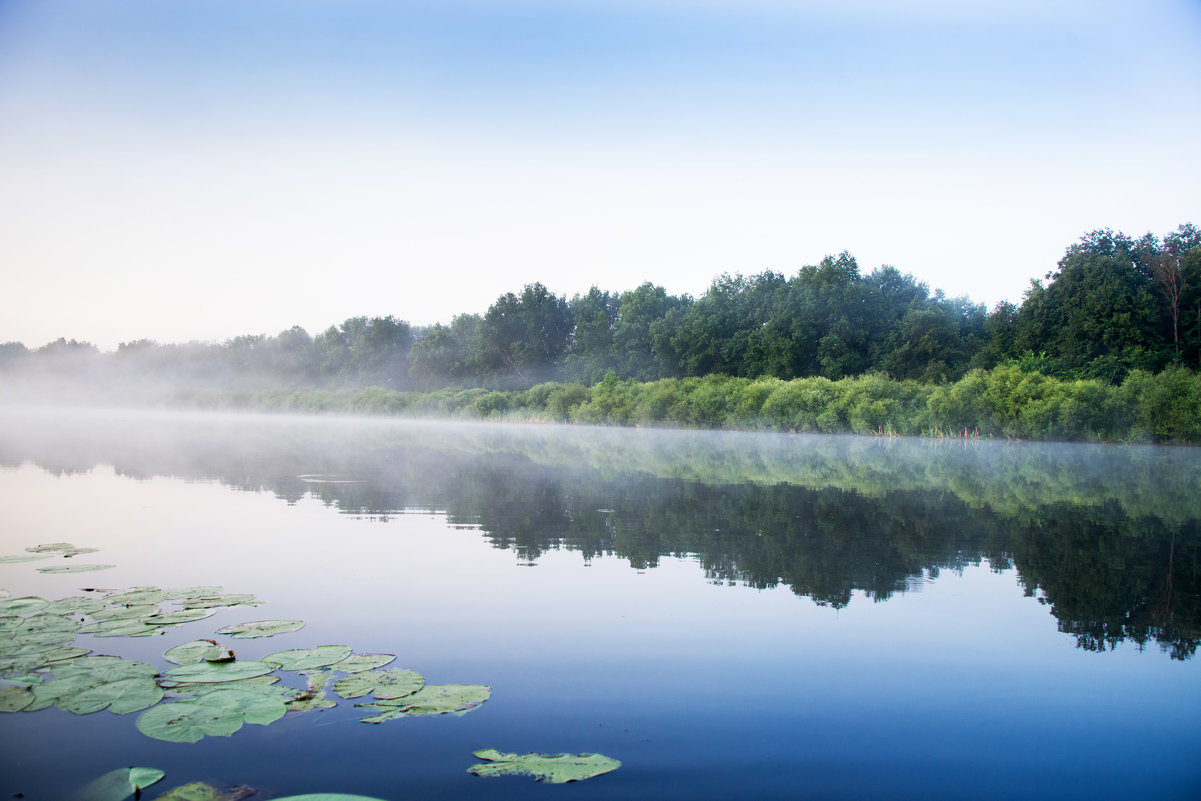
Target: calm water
730	615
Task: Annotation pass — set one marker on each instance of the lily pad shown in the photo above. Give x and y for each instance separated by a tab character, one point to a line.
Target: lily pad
551	768
209	672
49	547
74	568
179	616
14	699
357	663
24	557
188	721
328	797
190	593
261	628
199	651
433	699
177	689
21	606
199	791
213	601
308	658
125	612
76	604
256	704
384	684
137	595
117	785
120	697
108	668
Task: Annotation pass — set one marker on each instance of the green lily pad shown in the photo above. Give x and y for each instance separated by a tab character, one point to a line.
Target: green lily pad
208	672
328	797
38	641
117	785
51	692
74	568
258	705
433	699
76	604
14	699
261	628
120	697
179	616
188	721
308	658
63	653
24	557
190	593
384	684
105	668
551	768
42	622
199	791
199	651
357	663
213	601
178	689
137	595
53	546
125	612
78	551
22	606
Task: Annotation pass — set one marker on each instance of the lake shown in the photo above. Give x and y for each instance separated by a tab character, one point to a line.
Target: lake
730	615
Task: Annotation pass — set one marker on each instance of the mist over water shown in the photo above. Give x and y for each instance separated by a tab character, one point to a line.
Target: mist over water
723	612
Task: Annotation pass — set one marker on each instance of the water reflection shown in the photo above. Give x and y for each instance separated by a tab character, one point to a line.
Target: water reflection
1107	538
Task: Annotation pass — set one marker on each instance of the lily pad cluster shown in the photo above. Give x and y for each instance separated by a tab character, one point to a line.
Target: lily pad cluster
65	550
209	691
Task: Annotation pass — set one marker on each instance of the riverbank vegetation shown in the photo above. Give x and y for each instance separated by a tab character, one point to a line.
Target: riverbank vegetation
1104	347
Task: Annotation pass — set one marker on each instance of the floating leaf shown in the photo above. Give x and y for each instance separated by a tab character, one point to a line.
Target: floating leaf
21	606
53	546
125	612
213	601
199	651
308	658
74	568
137	595
177	689
106	668
433	699
42	622
199	791
181	616
208	672
76	604
188	721
190	593
50	693
328	797
258	705
551	768
357	663
386	684
117	785
261	628
120	697
14	699
24	557
62	653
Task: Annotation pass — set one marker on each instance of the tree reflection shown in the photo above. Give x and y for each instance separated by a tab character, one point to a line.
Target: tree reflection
847	520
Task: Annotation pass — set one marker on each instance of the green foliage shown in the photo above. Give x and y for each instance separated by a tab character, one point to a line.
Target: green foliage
550	768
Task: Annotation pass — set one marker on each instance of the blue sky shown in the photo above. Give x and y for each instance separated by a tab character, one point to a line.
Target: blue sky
181	170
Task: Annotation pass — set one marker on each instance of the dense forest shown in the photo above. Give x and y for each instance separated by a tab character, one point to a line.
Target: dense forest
1115	309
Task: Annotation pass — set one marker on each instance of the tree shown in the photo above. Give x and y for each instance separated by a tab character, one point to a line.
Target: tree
529	334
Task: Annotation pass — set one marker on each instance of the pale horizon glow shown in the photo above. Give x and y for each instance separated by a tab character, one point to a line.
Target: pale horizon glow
202	170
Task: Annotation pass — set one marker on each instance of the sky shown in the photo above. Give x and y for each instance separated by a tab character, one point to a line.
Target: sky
185	170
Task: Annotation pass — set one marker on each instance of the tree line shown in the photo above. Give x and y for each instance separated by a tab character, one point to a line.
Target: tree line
1114	304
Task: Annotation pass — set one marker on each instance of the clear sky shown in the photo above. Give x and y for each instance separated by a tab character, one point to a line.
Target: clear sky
200	169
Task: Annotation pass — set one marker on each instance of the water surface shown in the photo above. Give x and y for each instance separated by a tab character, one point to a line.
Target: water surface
730	615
